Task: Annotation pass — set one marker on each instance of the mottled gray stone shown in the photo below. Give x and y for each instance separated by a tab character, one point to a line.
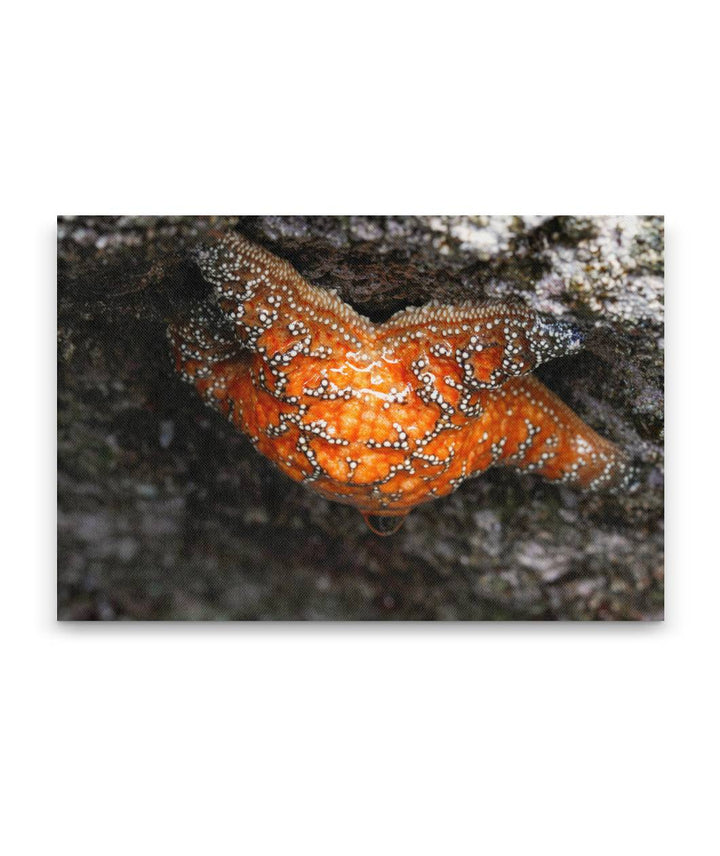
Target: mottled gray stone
166	512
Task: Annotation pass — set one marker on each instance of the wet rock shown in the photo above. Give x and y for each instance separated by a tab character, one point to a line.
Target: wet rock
166	512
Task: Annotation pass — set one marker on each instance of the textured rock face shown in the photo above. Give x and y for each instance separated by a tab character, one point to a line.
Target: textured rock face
166	512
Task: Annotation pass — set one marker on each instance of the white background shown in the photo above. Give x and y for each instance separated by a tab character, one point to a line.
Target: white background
508	739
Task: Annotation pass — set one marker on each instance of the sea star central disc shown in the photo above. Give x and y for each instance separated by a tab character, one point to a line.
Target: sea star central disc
381	416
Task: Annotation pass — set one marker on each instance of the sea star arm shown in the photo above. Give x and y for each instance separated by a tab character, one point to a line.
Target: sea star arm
276	312
489	342
534	431
211	359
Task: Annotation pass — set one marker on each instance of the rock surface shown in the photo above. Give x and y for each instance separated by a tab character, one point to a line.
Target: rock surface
165	512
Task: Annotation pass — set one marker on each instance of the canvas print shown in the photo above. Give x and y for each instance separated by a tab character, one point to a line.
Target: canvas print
360	418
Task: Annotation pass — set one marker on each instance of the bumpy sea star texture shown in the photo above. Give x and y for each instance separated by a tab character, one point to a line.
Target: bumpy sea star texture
167	511
381	416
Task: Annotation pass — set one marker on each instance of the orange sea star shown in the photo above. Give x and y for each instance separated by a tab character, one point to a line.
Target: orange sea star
381	416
